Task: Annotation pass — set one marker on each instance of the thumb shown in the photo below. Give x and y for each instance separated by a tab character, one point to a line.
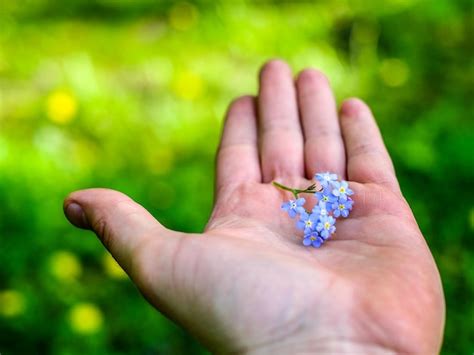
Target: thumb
124	227
160	262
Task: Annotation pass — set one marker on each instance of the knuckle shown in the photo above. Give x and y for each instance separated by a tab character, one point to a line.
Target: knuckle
102	229
280	171
323	132
102	226
279	124
363	149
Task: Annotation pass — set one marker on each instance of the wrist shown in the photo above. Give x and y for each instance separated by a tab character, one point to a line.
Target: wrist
321	346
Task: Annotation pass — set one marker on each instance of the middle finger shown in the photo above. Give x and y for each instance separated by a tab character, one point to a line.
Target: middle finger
281	137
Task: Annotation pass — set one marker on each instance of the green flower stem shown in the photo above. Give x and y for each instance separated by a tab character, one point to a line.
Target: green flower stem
295	192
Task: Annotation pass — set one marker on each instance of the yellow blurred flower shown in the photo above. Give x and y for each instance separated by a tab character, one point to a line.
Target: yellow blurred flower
183	16
394	72
85	318
188	85
112	268
364	32
61	107
65	266
12	303
161	160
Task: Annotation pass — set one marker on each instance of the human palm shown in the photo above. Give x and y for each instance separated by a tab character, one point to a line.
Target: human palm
247	284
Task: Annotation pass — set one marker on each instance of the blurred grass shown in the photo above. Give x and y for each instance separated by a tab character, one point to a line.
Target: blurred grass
130	95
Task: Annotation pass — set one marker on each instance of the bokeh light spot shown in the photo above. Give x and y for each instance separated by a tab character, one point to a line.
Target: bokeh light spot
417	155
65	266
188	85
183	16
12	303
112	268
365	32
61	107
394	72
86	318
161	161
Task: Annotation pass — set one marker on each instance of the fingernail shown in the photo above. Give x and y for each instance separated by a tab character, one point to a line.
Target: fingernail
75	214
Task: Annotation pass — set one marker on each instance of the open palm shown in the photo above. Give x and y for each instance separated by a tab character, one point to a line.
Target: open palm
247	284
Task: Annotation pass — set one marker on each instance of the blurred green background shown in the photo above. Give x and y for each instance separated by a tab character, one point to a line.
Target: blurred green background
131	94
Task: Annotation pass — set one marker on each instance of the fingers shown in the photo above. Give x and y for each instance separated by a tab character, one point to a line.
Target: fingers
281	139
324	148
237	158
123	226
367	158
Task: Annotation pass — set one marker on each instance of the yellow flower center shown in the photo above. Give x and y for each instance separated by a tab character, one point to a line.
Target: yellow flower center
342	189
327	225
341	207
313	238
309	223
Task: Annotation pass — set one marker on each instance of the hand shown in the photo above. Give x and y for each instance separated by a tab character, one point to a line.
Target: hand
247	284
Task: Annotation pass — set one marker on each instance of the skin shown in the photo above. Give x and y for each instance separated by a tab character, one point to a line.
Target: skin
247	284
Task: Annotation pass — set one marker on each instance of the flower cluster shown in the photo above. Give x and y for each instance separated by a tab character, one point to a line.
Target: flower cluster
333	201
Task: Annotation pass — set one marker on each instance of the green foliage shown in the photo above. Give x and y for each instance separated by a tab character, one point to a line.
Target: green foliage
130	95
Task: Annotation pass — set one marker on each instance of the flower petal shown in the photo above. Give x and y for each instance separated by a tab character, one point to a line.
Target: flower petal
317	243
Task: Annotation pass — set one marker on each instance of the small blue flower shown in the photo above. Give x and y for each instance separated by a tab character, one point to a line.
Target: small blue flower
313	239
307	222
326	227
320	209
326	197
342	190
342	208
325	179
333	201
294	206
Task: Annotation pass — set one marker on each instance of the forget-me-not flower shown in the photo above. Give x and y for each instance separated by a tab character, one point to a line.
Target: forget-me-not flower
325	179
342	208
333	201
294	206
326	226
342	190
320	209
326	197
307	222
313	239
